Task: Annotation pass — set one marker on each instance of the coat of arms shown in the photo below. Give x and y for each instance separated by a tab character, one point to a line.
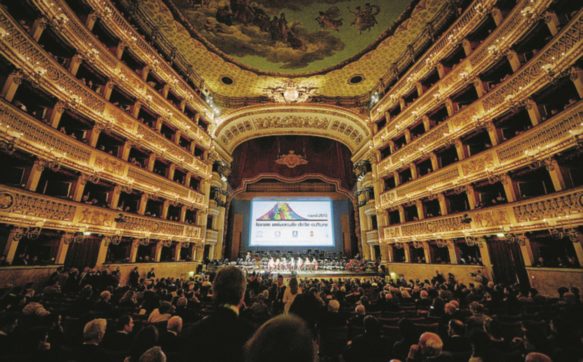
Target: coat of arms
291	160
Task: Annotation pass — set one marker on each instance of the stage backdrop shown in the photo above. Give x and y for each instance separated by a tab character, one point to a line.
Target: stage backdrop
340	209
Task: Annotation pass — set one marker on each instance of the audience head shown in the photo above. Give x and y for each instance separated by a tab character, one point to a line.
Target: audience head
430	344
293	285
175	324
125	323
476	308
285	338
372	325
229	286
154	354
105	296
360	309
537	357
334	306
94	331
456	327
146	339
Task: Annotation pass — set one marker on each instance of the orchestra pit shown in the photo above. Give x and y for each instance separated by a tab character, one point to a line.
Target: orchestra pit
291	181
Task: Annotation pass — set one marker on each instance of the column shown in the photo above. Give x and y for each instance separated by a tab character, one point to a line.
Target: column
79	188
533	112
577	79
434	161
63	248
125	150
74	64
114	197
383	249
38	27
413	168
121	46
134	250
485	255
450	107
176	137
144	73
183	213
171	171
34	175
151	162
552	21
467	46
93	135
401	213
11	85
12	243
165	206
578	246
143	203
390	253
514	60
91	19
441	70
102	253
442	203
107	89
554	170
472	196
510	188
56	114
452	252
494	133
480	88
158	251
407	250
497	16
407	135
193	253
460	149
135	109
419	87
426	252
177	248
420	209
526	250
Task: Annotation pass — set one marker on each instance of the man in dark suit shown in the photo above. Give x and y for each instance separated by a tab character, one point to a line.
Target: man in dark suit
220	336
170	338
456	342
91	349
276	295
121	338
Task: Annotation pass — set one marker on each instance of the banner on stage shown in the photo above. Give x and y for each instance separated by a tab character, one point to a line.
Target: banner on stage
291	222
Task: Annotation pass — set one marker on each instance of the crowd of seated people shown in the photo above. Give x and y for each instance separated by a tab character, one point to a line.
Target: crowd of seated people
308	261
233	316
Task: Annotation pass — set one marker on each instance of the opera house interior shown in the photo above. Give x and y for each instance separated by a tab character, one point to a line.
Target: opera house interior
308	180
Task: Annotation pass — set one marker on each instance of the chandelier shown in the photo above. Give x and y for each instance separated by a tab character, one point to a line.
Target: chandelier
290	92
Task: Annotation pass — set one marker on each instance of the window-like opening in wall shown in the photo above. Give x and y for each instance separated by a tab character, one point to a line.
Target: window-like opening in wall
198	152
34	101
398	254
385	152
121	99
155	82
15	168
430	79
394	111
147	116
129	201
173	213
431	208
138	157
132	61
467	254
565	10
167	252
57	182
405	176
570	165
154	207
552	250
417	130
203	124
373	222
484	30
438	115
532	182
381	123
5	69
496	74
147	252
411	96
531	43
417	254
105	36
167	131
394	217
465	97
513	123
184	143
91	77
97	193
556	97
110	143
190	112
477	142
179	176
447	156
56	46
490	194
424	167
119	253
174	99
37	251
411	213
194	183
456	202
23	12
161	168
399	142
191	216
389	182
75	125
80	8
439	253
454	58
186	252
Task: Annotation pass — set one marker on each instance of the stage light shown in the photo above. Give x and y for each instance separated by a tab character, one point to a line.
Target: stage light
86	233
190	274
500	235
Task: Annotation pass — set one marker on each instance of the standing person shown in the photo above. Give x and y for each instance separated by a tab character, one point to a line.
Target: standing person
220	336
276	294
290	294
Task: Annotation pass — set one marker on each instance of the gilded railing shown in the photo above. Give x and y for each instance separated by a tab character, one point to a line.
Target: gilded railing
28	209
513	27
557	210
559	54
553	136
62	17
43	69
45	142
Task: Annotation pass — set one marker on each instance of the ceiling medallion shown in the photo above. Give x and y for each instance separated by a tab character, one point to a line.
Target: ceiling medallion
290	92
291	160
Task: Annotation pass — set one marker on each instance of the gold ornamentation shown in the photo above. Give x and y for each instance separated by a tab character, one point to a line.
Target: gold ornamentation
291	160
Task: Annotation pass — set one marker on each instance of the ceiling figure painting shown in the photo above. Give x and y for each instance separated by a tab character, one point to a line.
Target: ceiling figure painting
289	37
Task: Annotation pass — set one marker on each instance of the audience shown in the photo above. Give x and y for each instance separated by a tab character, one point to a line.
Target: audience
213	317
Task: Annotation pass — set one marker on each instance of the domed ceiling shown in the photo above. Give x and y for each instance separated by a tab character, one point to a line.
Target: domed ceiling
289	37
244	49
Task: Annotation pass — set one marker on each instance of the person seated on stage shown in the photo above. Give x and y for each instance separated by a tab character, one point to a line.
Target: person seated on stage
308	263
315	264
300	263
277	264
271	264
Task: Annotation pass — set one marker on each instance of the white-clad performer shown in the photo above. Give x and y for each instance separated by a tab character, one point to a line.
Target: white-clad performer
300	263
271	264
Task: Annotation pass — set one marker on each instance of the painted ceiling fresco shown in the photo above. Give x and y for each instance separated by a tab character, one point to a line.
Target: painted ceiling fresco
289	36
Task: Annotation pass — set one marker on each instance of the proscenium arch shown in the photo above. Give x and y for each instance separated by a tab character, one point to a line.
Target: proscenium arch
325	121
